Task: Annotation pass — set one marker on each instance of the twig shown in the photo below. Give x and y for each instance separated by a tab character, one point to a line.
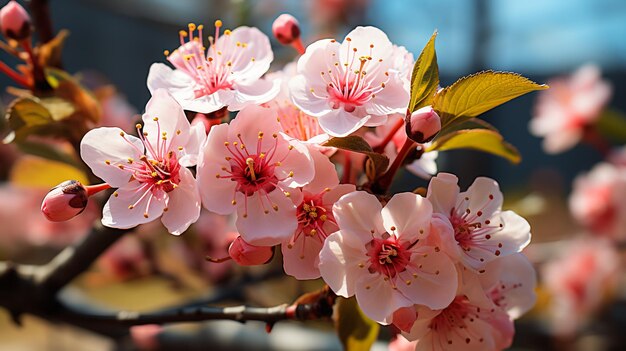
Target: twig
40	9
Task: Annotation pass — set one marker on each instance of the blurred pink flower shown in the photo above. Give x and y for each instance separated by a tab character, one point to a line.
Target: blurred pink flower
126	259
145	337
400	343
597	200
150	170
482	231
570	105
579	282
293	121
315	219
350	85
251	167
15	22
382	254
228	74
21	226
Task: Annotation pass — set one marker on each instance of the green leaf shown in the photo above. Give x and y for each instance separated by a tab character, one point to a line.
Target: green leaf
355	330
478	93
464	123
31	171
612	125
59	108
479	139
48	152
425	77
355	143
25	116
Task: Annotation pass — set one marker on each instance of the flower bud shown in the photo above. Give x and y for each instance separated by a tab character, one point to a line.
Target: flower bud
423	124
249	255
65	201
15	21
286	29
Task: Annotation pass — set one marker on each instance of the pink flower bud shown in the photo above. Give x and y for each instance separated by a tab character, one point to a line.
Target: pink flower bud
146	337
286	29
249	255
15	21
65	201
423	124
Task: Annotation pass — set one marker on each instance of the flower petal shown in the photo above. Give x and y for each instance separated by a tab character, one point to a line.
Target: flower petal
377	298
340	123
359	214
409	214
443	192
183	204
171	120
260	224
104	150
301	259
117	214
339	263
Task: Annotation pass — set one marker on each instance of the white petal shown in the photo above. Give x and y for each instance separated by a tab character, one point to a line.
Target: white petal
340	123
178	83
191	151
249	63
105	144
362	38
358	213
443	192
339	263
257	92
116	212
409	214
171	120
325	173
484	197
299	162
313	103
301	259
183	204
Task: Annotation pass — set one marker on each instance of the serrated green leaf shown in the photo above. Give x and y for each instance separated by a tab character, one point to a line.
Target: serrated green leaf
355	330
355	143
478	93
479	139
425	77
24	116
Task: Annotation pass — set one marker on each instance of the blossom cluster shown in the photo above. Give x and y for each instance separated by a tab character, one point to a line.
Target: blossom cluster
447	266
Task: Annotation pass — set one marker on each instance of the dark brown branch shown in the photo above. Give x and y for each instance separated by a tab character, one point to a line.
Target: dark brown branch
74	260
40	10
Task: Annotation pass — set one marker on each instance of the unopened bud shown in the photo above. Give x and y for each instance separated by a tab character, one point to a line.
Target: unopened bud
249	255
286	29
14	21
65	201
422	125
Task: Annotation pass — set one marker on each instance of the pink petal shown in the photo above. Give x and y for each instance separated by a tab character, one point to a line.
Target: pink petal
301	260
105	144
484	196
252	61
362	38
394	98
191	151
518	280
377	298
259	224
217	193
257	92
183	204
178	83
325	173
309	101
299	162
340	123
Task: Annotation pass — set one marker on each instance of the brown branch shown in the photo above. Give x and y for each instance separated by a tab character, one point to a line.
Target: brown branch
40	10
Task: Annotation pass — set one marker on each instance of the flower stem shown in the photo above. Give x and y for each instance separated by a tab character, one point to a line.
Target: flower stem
381	147
94	189
381	186
297	44
16	77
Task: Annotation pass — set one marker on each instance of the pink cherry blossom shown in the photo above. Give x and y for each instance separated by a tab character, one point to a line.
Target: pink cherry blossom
400	343
251	167
597	200
149	170
571	104
381	254
463	325
294	122
578	282
482	231
226	75
315	219
353	84
424	167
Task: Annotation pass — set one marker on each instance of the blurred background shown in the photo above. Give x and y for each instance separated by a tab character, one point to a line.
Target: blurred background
117	41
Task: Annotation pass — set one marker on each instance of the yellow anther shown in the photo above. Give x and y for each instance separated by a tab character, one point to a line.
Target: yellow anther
287	194
165	209
323	218
182	33
227	32
116	194
138	126
266	211
191	26
155	119
200	27
154	174
107	162
226	143
178	132
250	163
166	52
253	59
218	23
130	160
275	207
122	133
326	189
180	148
278	164
146	215
313	232
274	135
290	174
290	147
120	166
260	135
233	202
262	155
210	59
245	215
227	158
130	207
